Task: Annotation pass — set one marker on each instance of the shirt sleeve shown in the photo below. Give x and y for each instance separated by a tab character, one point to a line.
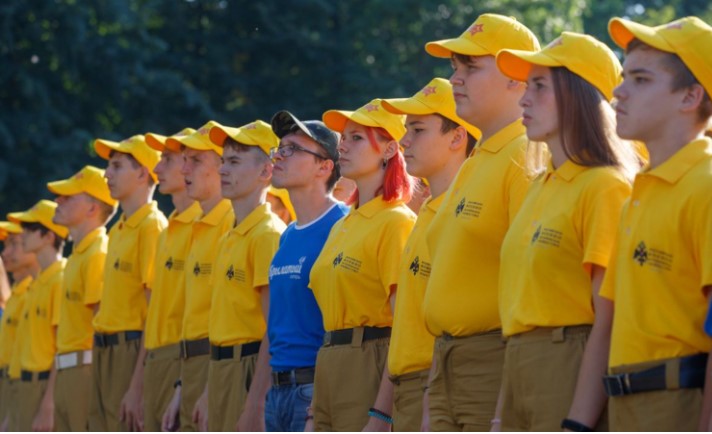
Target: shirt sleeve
265	247
518	184
702	236
94	277
394	237
600	219
56	299
147	253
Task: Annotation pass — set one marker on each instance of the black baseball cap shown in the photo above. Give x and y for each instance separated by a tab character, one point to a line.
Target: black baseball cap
283	123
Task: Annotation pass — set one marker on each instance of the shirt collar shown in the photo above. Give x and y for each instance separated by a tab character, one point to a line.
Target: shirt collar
503	137
20	287
140	214
433	204
215	216
89	239
50	271
374	206
188	215
683	160
253	218
569	170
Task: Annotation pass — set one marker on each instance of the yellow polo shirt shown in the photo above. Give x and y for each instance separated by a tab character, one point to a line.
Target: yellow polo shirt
568	219
164	322
411	347
81	290
663	260
11	317
39	345
465	237
207	232
129	269
242	266
353	275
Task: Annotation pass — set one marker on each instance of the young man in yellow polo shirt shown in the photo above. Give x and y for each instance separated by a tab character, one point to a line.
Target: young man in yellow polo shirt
200	171
128	276
240	304
35	393
465	236
164	321
85	206
435	145
22	267
660	274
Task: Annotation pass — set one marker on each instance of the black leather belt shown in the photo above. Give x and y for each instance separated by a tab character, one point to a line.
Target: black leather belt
222	353
32	375
109	339
692	375
295	377
346	336
194	348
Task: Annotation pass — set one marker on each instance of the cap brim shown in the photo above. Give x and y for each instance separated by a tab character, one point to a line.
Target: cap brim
516	64
103	148
10	228
446	47
336	120
218	135
156	141
64	188
283	123
623	31
22	217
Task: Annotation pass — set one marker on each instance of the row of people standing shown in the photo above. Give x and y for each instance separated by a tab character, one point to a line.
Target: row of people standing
514	242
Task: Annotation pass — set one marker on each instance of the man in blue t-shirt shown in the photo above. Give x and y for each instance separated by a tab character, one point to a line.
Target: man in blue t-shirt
306	164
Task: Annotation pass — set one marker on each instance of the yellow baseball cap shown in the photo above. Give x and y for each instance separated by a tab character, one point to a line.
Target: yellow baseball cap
581	54
486	36
158	142
689	37
198	140
9	228
435	97
370	115
89	180
42	213
257	133
135	146
283	195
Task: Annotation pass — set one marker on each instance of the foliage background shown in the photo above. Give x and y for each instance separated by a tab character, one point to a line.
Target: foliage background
75	70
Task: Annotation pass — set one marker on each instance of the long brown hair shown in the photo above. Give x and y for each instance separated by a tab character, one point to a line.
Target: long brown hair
587	126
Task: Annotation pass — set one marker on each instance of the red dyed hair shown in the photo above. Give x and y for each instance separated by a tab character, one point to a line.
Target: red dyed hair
397	184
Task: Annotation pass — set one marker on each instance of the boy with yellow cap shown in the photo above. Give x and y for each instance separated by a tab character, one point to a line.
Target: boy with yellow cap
85	206
200	171
22	268
661	272
240	290
464	238
435	145
119	353
165	311
278	199
35	392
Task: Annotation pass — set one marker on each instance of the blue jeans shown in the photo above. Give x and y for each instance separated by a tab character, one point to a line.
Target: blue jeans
286	407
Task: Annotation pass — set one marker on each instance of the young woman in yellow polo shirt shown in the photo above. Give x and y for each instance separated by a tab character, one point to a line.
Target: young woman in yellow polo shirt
557	248
354	278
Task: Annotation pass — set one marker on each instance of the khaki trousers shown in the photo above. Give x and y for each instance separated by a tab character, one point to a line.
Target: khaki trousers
72	392
346	383
160	372
194	376
228	383
541	368
408	391
660	410
112	369
29	396
465	387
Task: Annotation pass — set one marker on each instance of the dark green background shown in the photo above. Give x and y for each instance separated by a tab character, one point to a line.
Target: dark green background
75	70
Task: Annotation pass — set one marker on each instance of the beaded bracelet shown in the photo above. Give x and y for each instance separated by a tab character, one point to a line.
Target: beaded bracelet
378	414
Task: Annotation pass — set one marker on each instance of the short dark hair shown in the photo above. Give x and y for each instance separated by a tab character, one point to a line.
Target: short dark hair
682	76
134	163
449	125
241	147
106	211
58	243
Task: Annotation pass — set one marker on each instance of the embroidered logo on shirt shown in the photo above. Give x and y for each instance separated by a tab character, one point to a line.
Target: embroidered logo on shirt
169	263
230	273
202	269
73	295
233	273
124	266
338	259
655	258
468	208
415	265
174	264
536	235
547	236
347	263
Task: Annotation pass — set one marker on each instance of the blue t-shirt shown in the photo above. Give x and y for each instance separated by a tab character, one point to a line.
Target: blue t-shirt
295	326
708	321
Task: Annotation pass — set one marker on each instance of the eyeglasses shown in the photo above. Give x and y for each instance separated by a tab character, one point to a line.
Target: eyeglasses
288	150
